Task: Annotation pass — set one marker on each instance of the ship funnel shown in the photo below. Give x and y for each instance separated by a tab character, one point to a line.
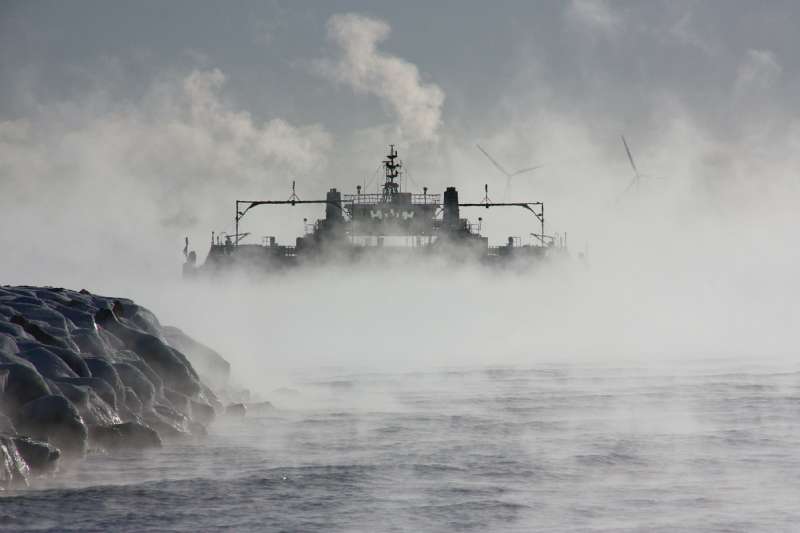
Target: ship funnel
333	207
450	214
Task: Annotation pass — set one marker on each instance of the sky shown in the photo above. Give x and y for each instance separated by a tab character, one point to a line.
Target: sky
126	126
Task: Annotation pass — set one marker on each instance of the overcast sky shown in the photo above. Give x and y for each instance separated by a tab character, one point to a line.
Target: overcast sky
180	107
615	56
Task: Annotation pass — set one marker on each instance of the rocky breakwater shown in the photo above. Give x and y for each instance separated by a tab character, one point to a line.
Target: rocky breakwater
81	372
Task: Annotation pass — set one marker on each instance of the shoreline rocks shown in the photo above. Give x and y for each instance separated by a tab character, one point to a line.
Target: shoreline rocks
125	435
80	371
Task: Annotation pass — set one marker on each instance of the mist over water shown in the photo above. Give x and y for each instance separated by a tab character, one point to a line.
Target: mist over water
658	393
650	385
706	447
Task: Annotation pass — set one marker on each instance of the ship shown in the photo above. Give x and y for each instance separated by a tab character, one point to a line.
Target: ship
390	225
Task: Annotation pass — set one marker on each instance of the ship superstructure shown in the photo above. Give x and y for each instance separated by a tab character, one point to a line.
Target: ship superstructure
370	225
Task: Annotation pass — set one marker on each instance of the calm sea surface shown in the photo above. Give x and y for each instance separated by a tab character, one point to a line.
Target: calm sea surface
550	448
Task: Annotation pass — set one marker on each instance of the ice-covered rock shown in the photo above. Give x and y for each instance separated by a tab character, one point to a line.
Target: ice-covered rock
132	402
54	419
103	369
23	385
90	342
97	385
8	345
92	408
125	435
76	366
135	379
201	412
14	331
43	333
71	358
6	426
41	457
46	362
180	402
210	365
78	314
171	429
150	374
14	471
172	366
40	313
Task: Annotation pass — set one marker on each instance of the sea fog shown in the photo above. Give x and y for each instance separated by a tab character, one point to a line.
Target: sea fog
703	446
648	382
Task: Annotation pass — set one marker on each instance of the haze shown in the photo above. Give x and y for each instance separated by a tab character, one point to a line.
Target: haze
125	128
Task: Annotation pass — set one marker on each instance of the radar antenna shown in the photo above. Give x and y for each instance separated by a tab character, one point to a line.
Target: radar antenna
392	171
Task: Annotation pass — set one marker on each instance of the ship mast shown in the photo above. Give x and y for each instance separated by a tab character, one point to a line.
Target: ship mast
392	170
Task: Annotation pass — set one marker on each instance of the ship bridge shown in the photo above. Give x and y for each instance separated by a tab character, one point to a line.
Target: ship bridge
391	212
403	214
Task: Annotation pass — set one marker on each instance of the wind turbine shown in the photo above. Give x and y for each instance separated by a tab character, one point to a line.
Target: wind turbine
637	176
507	174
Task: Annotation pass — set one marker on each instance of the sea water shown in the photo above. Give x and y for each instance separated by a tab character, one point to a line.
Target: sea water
673	447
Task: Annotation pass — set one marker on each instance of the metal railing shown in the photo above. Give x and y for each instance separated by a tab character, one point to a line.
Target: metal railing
369	199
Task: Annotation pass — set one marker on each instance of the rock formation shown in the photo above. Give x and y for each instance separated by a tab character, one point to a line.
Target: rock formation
79	372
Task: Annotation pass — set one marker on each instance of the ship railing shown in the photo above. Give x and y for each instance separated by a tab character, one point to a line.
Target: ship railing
370	199
425	199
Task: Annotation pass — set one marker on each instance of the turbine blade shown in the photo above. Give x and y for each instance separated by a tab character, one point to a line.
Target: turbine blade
495	163
630	157
524	170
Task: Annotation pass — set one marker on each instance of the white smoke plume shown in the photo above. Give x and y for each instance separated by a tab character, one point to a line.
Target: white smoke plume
90	179
361	65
